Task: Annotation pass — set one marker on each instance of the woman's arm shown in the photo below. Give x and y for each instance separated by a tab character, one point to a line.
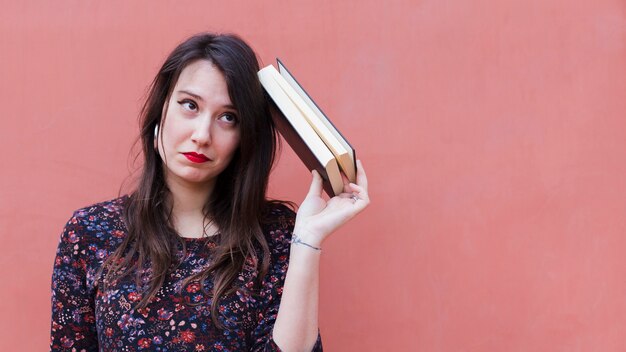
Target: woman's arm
296	327
73	325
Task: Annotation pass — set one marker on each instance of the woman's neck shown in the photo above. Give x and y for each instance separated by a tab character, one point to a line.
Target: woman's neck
188	201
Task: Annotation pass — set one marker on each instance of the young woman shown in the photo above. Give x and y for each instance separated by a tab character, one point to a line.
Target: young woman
196	258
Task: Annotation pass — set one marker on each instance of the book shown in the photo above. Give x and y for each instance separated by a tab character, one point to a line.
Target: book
309	132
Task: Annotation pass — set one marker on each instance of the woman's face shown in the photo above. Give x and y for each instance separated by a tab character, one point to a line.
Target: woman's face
200	132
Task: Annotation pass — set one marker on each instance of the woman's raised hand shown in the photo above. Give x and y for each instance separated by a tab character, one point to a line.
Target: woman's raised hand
318	218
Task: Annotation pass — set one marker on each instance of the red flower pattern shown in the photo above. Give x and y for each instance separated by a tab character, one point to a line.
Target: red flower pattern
144	343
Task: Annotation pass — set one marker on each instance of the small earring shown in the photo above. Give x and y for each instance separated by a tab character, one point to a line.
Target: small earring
156	137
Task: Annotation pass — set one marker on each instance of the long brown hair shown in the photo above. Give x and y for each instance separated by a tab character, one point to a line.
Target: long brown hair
237	205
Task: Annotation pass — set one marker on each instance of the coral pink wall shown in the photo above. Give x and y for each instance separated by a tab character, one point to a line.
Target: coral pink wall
493	133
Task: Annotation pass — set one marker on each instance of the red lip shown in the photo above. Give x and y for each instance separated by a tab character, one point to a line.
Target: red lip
196	158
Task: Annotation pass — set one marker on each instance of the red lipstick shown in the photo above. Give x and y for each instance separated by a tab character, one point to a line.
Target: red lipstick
196	158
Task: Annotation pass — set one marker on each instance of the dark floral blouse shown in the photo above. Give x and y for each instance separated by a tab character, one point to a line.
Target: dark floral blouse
87	319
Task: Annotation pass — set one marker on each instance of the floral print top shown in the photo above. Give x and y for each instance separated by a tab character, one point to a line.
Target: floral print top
86	319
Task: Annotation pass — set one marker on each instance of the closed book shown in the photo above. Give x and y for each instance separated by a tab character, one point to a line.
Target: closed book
309	132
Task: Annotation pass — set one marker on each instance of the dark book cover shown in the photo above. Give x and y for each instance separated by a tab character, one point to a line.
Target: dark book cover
300	148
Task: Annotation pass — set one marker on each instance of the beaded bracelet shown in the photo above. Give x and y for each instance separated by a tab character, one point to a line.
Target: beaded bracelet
296	240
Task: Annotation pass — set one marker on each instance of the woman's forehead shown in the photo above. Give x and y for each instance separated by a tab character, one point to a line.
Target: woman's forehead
203	81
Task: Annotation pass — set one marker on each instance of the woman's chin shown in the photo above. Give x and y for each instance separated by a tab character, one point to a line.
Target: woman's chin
194	178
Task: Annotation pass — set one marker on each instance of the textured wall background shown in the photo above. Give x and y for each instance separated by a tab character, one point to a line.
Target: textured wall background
493	133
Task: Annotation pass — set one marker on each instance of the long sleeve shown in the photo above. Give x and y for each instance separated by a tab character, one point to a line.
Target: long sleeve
73	324
272	289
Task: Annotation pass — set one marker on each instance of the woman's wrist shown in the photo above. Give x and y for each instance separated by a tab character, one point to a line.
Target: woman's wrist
295	239
307	236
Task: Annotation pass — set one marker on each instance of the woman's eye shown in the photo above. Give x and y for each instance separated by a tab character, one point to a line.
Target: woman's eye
188	104
229	117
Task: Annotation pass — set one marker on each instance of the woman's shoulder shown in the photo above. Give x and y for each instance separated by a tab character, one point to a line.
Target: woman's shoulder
97	224
108	209
88	237
278	226
280	214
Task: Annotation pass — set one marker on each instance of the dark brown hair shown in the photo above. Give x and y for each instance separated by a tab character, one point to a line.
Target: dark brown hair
237	205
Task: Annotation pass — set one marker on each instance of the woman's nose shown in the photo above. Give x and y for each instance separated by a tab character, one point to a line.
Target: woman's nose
202	131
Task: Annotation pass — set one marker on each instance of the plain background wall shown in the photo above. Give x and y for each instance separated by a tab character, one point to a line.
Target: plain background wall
493	134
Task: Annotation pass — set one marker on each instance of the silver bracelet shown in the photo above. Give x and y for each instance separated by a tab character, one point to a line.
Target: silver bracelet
296	240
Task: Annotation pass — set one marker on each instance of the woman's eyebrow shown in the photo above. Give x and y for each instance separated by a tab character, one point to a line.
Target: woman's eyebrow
228	106
192	94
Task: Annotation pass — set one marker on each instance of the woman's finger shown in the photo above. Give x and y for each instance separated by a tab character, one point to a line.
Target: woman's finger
361	178
359	190
346	195
316	185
